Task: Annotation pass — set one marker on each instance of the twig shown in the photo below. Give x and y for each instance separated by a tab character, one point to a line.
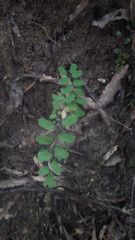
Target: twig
68	195
130	129
29	75
12	172
38	77
29	87
6	117
11	36
78	153
5	144
13	183
45	32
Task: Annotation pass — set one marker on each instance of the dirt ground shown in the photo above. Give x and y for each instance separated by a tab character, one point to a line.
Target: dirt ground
95	198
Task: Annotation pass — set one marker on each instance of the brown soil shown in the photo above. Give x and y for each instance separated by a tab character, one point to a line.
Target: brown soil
94	200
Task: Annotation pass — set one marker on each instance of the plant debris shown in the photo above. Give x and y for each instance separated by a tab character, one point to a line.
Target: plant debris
112	16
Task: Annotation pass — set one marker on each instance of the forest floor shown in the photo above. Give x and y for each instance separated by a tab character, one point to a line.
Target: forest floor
94	198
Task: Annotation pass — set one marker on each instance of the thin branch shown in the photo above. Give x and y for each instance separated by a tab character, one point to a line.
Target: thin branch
130	129
44	28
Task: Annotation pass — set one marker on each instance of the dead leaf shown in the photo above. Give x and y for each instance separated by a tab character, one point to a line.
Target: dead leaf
45	78
129	121
107	96
15	28
102	232
80	7
79	230
112	161
38	178
102	80
112	16
112	88
63	114
8	216
110	152
16	95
